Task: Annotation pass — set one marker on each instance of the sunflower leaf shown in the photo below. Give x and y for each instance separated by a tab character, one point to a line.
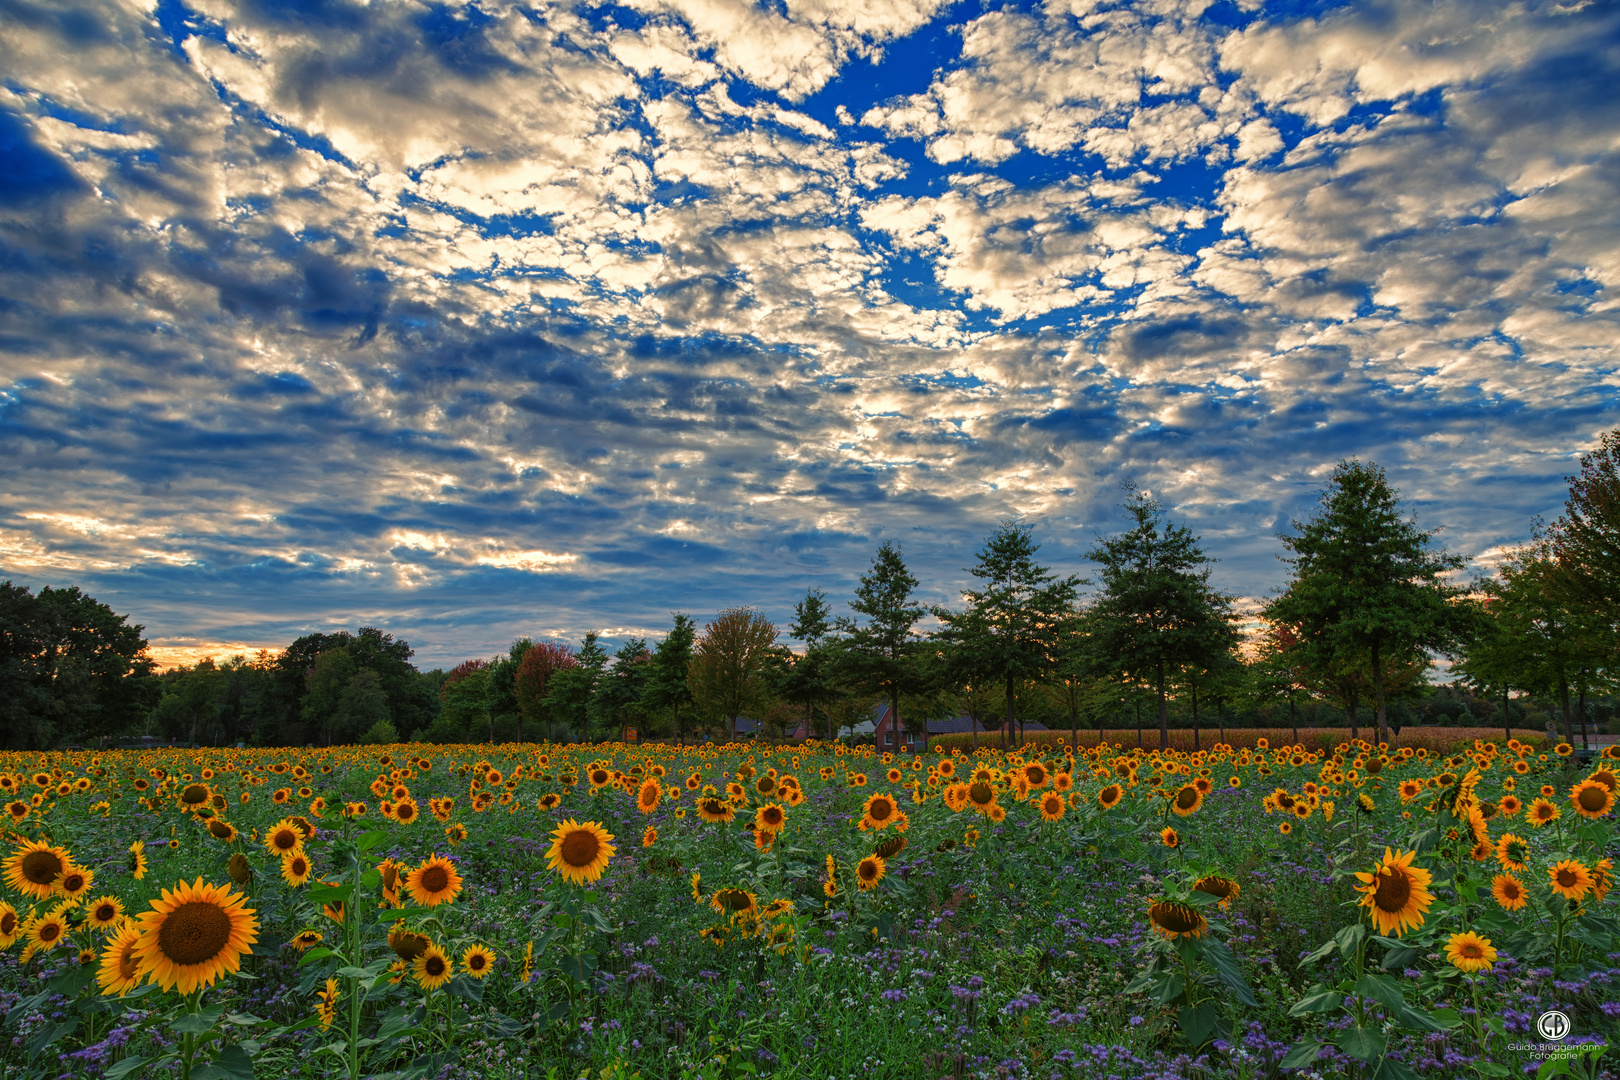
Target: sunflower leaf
1325	1001
124	1068
316	954
1227	969
49	1035
1363	1044
1384	990
1198	1023
1302	1053
1390	1069
325	894
371	840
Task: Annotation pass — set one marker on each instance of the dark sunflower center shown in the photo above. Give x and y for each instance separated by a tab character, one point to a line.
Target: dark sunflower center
773	816
105	913
1567	878
405	812
72	883
41	867
435	879
868	870
194	932
285	839
579	848
1394	890
299	867
1593	798
733	899
1187	798
128	966
1177	918
194	794
1216	886
8	924
434	966
1470	951
1053	803
477	963
219	829
50	932
981	794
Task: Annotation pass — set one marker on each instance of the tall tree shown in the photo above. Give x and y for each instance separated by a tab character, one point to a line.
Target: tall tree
1367	580
1585	540
624	685
881	653
729	665
532	680
1156	612
668	683
572	697
807	679
1012	627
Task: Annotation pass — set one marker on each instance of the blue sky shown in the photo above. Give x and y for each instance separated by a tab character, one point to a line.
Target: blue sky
477	320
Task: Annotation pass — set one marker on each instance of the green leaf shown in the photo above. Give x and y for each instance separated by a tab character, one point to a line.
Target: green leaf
1349	939
47	1036
1390	1069
1384	990
1322	952
1302	1053
468	990
233	1063
199	1022
1227	969
1324	1001
1171	988
1198	1024
325	894
371	879
1490	1068
353	973
1201	899
71	981
319	952
370	840
1363	1044
124	1068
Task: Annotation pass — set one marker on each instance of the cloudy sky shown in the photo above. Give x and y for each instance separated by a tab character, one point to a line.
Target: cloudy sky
476	320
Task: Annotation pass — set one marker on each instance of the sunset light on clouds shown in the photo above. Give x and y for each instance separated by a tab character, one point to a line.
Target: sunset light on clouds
469	321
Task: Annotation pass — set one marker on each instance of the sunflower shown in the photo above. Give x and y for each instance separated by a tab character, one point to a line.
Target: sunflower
194	795
869	871
433	883
17	810
1215	885
1509	891
283	838
1172	920
295	868
714	810
734	902
1591	799
326	1007
194	934
1512	851
9	922
306	939
1396	893
580	851
1570	878
1602	879
1109	797
105	912
649	837
1541	813
981	796
405	944
1286	828
406	811
33	869
1169	837
44	932
1470	953
1509	806
648	794
120	969
432	969
1187	800
1052	806
455	833
73	882
770	818
477	961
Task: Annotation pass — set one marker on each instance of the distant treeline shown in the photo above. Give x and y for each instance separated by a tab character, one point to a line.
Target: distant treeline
1350	640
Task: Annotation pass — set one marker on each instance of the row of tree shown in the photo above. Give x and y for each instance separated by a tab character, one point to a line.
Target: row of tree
1371	603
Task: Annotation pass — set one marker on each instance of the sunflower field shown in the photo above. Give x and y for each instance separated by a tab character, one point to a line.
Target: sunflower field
617	910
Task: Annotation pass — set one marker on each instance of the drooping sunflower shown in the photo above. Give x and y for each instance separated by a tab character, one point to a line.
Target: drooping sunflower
433	883
1602	879
432	968
1109	797
1172	920
296	868
33	869
715	810
580	851
1509	892
1215	885
326	1006
648	795
869	872
1470	953
1169	837
1396	893
477	961
120	968
1570	878
734	902
10	922
105	912
283	838
1591	799
1052	806
307	939
194	935
1541	813
406	944
1187	800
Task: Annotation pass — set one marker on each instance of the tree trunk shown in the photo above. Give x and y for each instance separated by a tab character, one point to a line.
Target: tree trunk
1563	696
1293	717
1164	712
1507	719
1220	714
1352	702
1378	694
1010	710
1074	726
1138	725
1584	743
973	726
